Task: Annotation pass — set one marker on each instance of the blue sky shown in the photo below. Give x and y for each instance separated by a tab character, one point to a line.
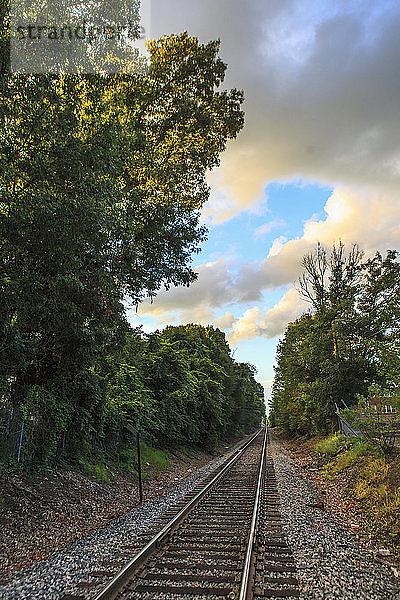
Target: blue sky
317	161
287	208
241	239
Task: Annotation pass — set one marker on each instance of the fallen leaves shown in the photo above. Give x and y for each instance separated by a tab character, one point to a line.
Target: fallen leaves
55	507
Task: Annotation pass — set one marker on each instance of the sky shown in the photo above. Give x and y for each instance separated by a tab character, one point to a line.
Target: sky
317	160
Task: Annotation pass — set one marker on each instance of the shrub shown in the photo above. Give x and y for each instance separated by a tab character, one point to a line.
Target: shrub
354	448
330	445
99	471
361	447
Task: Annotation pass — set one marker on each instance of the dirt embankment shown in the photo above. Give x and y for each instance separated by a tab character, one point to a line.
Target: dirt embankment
361	500
45	511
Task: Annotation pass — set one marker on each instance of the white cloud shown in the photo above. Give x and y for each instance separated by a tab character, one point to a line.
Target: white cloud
322	92
268	227
212	289
277	270
224	322
372	220
277	246
322	96
289	308
246	327
270	324
218	285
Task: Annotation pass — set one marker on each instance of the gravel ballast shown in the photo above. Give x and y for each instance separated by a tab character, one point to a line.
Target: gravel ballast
60	574
331	564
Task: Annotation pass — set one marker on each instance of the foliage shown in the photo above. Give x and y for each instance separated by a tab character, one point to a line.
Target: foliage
178	387
353	449
330	445
383	507
361	447
344	345
102	179
367	418
181	387
373	485
4	38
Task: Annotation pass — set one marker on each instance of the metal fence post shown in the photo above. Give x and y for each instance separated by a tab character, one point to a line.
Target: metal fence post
129	427
139	467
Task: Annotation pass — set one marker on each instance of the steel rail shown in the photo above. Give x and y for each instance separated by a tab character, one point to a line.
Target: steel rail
112	588
246	580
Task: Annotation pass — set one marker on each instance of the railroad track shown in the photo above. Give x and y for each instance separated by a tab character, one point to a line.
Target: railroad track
224	541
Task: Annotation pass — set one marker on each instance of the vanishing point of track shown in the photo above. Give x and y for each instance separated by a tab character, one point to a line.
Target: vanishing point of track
224	541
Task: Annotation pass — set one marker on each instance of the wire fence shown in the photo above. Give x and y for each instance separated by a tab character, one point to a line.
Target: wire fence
386	435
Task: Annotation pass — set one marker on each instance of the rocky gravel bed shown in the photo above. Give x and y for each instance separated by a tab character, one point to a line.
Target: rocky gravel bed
331	564
52	578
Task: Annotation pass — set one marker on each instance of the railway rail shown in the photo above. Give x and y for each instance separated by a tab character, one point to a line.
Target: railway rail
224	541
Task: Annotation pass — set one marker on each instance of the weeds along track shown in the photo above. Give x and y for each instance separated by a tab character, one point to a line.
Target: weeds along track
224	541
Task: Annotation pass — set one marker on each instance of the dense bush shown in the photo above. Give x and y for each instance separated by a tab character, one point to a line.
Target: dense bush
178	387
181	387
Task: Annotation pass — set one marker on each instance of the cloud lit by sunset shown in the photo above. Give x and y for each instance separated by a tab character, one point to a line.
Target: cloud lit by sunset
317	160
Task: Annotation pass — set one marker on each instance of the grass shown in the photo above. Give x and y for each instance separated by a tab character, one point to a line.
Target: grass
372	481
99	471
351	450
330	445
157	460
380	500
153	461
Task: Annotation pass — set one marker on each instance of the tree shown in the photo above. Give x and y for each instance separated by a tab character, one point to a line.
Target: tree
185	379
4	38
336	352
379	316
101	182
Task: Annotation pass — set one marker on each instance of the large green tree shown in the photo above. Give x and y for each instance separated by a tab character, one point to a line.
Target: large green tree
181	386
101	182
346	344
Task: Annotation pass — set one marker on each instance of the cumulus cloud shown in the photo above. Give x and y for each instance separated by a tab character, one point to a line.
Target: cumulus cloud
221	283
289	308
213	288
372	220
277	246
246	327
224	322
322	92
279	269
271	323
